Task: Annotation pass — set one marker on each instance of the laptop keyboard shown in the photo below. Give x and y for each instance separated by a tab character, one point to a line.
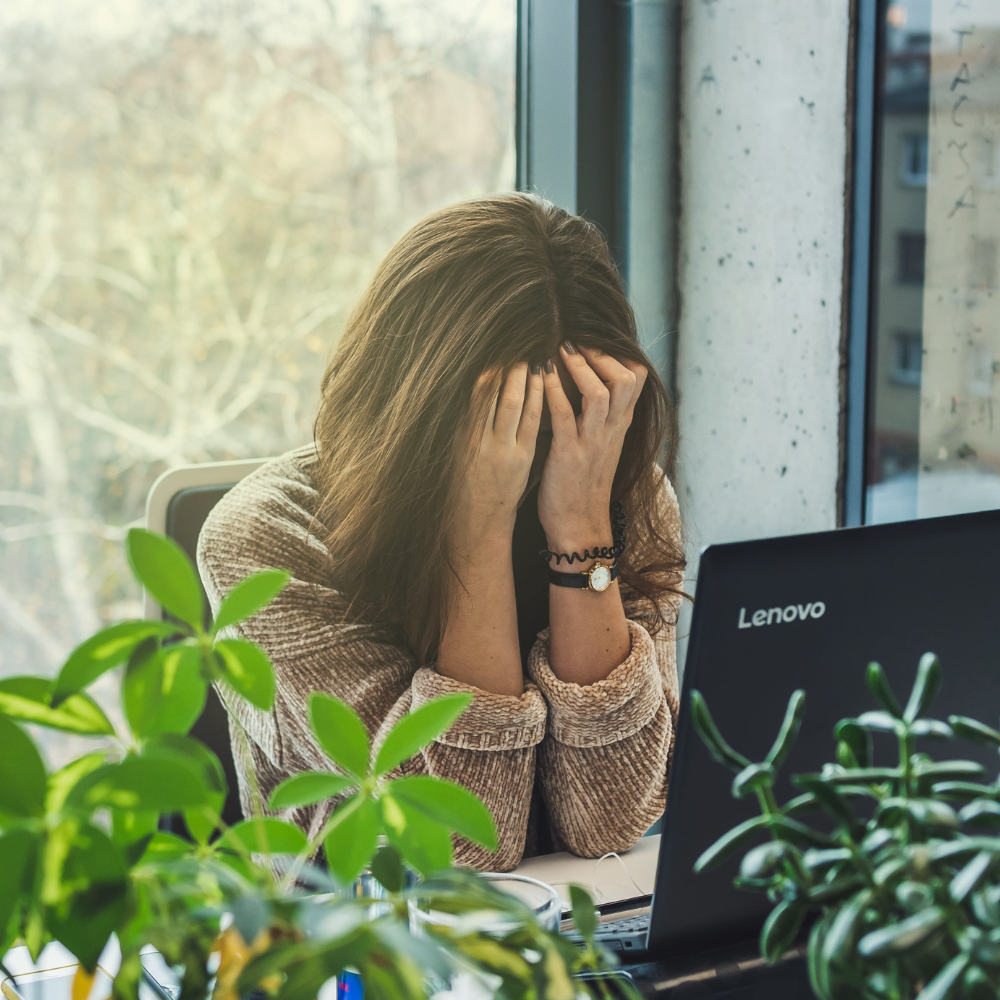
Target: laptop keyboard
624	936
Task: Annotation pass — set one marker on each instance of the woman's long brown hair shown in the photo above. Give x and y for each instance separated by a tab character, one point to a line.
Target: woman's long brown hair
476	287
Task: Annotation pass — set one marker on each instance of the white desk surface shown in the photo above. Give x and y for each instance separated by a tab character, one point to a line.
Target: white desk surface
608	880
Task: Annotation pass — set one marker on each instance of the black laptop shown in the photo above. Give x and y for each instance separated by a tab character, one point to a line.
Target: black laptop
808	611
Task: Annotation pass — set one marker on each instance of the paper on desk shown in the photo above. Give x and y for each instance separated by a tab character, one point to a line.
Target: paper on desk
608	880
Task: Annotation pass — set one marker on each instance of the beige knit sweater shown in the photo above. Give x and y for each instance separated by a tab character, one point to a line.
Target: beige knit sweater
600	753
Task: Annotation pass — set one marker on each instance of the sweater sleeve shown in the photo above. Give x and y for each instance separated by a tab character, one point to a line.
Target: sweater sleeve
603	766
266	520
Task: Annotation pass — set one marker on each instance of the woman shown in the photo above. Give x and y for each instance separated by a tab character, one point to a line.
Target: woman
488	400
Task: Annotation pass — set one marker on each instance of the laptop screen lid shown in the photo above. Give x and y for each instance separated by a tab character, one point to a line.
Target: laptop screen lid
811	611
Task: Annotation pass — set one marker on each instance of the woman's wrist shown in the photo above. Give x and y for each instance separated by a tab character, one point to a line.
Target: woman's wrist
578	540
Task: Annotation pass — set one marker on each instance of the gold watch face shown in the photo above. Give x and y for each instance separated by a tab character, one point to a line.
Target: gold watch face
600	577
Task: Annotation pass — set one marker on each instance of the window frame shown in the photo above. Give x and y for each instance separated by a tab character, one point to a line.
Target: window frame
862	271
573	108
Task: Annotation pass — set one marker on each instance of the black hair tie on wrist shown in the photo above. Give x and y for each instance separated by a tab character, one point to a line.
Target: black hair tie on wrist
602	552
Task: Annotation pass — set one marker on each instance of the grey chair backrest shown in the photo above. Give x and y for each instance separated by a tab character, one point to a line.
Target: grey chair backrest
177	506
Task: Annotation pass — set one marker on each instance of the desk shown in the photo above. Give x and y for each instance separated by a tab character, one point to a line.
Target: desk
607	881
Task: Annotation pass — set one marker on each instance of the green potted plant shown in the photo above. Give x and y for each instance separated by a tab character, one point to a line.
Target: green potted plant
904	890
241	908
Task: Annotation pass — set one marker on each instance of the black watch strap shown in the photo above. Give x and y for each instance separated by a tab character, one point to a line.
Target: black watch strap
580	581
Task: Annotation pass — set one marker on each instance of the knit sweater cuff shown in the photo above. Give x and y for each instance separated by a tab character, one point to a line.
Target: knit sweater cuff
595	715
492	721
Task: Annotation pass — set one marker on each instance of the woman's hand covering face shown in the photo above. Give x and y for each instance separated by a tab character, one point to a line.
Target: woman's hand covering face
500	461
574	496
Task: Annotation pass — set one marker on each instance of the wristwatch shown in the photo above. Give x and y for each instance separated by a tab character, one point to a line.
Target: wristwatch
598	578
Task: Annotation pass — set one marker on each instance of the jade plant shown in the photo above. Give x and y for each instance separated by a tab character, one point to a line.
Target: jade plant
84	854
902	880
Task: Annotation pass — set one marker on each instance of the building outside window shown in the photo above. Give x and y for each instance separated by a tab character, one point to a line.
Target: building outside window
915	159
933	445
908	358
191	198
912	247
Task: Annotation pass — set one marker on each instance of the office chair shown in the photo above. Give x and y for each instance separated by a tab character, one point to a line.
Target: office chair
177	506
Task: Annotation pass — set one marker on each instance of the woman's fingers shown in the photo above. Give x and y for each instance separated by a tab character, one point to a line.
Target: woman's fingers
596	395
510	403
619	377
531	413
560	408
640	372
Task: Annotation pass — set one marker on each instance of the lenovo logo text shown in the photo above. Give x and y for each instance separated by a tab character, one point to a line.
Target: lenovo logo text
776	616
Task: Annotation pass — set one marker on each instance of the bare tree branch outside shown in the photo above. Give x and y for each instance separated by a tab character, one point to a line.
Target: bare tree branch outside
191	197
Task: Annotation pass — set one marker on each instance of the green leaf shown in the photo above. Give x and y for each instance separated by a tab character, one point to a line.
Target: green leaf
154	782
730	843
164	569
387	867
981	813
974	731
22	773
941	986
28	699
351	837
858	739
584	914
248	670
780	929
838	942
789	729
424	844
308	788
202	820
970	877
18	862
166	847
340	732
415	731
925	688
934	728
901	936
163	690
764	860
449	804
751	779
880	722
249	596
63	781
102	652
879	686
265	835
828	797
94	871
720	750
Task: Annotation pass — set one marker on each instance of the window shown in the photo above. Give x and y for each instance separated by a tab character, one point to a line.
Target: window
923	438
911	258
915	159
907	359
191	197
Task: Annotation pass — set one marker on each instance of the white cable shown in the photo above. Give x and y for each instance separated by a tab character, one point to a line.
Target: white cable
599	896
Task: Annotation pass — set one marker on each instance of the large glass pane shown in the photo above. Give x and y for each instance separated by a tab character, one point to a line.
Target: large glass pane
191	196
934	438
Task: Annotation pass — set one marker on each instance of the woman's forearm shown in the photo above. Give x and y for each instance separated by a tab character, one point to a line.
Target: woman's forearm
588	634
480	645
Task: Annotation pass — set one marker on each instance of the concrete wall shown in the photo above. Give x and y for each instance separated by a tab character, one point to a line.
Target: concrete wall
763	139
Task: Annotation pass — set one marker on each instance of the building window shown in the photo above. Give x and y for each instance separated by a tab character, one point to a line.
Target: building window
911	258
907	358
915	159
